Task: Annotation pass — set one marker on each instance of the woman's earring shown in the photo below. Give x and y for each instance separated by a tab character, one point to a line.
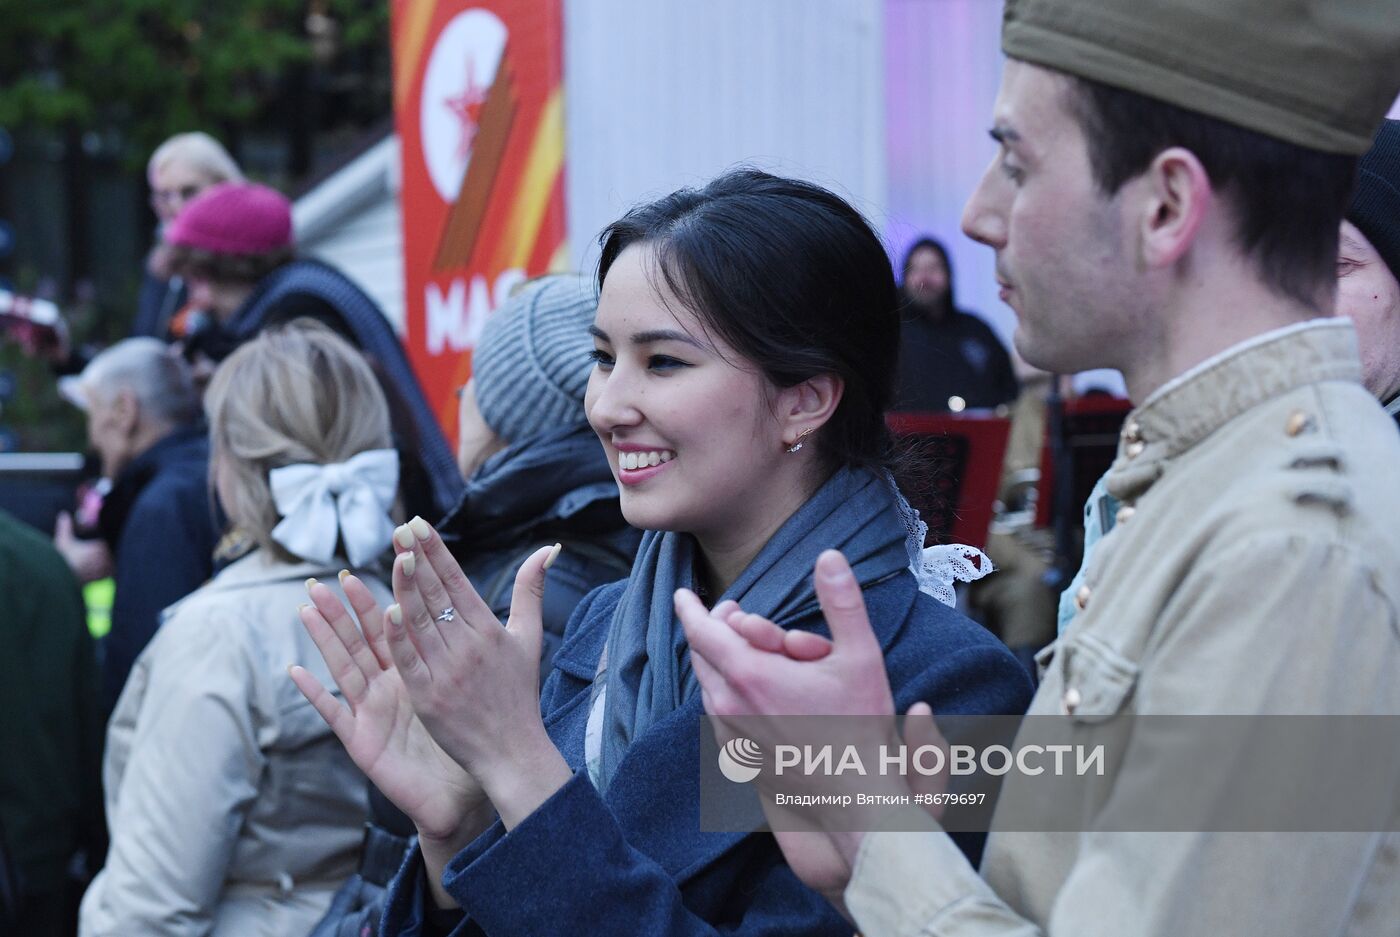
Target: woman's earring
798	443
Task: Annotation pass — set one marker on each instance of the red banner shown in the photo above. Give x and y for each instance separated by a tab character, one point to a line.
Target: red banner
478	102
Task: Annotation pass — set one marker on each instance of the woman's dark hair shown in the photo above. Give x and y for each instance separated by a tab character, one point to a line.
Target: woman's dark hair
790	276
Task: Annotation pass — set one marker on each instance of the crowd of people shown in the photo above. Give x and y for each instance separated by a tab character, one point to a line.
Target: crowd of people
358	684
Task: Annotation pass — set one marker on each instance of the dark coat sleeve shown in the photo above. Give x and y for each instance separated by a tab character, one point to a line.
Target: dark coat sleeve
569	868
518	885
608	887
164	553
982	679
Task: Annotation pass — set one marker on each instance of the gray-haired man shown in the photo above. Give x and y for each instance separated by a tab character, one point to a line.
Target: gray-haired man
157	520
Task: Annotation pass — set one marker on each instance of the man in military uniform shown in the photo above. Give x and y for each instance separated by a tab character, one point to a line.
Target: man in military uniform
1166	201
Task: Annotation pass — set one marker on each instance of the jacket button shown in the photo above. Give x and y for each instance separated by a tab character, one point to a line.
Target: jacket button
1081	597
1124	514
1298	421
1132	431
1071	700
1135	448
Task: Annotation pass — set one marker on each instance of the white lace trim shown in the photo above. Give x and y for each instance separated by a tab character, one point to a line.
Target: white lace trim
937	568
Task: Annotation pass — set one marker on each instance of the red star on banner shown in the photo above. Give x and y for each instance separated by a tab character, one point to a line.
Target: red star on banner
467	108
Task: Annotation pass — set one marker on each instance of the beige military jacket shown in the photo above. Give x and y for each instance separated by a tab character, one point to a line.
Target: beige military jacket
1254	568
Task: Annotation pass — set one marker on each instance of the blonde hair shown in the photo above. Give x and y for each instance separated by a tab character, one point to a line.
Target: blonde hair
201	153
297	393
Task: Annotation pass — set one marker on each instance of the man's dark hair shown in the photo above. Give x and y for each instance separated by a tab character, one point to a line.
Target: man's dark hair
1288	200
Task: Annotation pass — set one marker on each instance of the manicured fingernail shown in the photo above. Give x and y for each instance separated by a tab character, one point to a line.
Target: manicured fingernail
394	613
341	575
830	567
420	528
310	582
408	564
404	536
303	606
553	555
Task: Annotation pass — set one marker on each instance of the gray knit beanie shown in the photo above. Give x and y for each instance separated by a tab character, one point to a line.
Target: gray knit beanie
1375	205
530	368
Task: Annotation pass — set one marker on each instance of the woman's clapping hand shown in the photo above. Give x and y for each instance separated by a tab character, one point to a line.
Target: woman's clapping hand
378	727
473	682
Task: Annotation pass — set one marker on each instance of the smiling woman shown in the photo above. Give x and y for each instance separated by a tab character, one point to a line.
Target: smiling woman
745	343
697	435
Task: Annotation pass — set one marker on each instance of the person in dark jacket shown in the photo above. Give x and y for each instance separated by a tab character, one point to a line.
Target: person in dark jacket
949	360
158	521
233	246
1368	266
536	476
744	344
51	736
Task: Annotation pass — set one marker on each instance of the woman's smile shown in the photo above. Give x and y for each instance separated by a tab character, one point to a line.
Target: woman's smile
638	463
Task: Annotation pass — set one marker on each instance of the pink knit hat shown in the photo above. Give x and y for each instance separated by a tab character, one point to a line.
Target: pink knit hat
234	218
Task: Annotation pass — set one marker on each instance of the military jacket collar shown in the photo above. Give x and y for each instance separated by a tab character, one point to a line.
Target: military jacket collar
1185	410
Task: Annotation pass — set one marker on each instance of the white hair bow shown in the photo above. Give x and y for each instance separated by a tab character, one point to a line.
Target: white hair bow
349	499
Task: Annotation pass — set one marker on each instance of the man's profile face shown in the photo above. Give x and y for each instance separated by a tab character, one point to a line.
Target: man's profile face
109	420
1061	258
926	277
1369	294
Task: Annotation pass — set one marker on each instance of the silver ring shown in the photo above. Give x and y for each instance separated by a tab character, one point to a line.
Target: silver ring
447	614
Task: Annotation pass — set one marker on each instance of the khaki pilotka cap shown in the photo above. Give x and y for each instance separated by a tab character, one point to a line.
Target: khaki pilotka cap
1317	73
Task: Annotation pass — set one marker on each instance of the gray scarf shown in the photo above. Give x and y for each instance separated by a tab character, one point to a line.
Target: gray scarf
648	675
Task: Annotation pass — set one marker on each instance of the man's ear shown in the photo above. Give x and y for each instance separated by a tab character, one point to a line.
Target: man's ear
807	406
126	411
1177	197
